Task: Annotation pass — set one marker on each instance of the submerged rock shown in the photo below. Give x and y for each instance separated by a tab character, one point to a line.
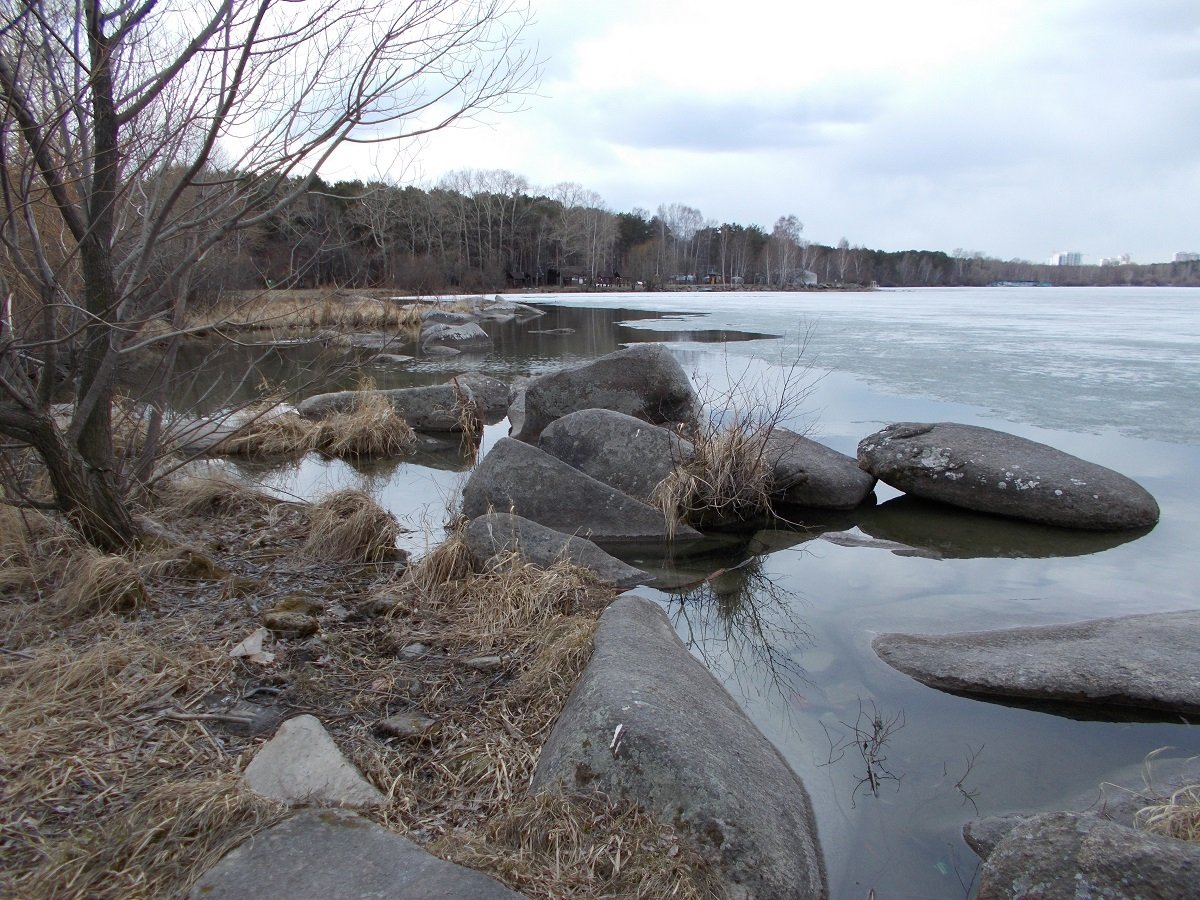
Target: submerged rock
1148	662
644	381
991	471
648	722
326	853
626	453
497	533
518	478
807	473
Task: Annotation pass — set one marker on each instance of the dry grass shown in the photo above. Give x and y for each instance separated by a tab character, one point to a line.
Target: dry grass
591	846
370	428
1177	816
101	795
728	479
348	526
295	309
114	782
97	583
268	432
212	495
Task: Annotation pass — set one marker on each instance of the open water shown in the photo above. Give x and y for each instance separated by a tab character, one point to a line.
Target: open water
1111	375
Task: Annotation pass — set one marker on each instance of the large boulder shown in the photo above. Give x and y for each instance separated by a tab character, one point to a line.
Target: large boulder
498	533
1150	662
437	407
644	381
648	722
1071	855
626	453
325	853
810	474
518	478
465	338
994	472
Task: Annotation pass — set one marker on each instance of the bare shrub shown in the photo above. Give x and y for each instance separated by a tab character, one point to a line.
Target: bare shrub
730	477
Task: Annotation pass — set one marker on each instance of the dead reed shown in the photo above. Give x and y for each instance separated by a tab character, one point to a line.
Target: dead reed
306	309
1177	816
348	526
371	428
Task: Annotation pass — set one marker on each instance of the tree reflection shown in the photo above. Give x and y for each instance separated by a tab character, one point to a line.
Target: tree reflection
746	629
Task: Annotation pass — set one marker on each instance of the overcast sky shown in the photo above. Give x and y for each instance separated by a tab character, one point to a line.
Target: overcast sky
1014	127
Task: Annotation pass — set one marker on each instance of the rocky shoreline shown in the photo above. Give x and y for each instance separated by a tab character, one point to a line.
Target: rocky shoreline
589	447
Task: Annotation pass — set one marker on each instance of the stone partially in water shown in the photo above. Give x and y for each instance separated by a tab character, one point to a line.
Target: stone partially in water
1070	855
497	533
626	453
648	722
466	338
807	473
644	381
995	472
1149	662
518	478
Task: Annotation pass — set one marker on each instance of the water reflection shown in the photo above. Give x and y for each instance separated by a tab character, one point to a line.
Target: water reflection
747	629
953	533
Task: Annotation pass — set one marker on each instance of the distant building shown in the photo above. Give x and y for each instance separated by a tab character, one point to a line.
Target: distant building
1066	259
1181	256
1123	260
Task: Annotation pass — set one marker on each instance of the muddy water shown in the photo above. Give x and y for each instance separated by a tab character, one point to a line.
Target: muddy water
1113	376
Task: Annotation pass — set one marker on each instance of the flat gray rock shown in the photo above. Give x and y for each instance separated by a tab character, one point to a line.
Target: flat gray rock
323	854
626	453
437	407
807	473
995	472
496	533
1147	662
644	381
302	764
1066	856
518	478
648	722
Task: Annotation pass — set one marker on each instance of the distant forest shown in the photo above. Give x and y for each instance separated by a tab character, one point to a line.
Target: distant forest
489	230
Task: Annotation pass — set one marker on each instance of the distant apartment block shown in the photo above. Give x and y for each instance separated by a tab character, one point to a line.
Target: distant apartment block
1066	259
1183	256
1123	260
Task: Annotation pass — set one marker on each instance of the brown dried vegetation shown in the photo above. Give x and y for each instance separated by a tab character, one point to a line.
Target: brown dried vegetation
120	739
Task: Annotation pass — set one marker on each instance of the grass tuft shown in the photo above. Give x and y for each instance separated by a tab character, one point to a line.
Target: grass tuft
588	846
1177	816
97	583
727	479
371	428
348	526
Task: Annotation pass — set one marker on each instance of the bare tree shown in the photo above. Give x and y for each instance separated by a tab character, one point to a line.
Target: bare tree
137	135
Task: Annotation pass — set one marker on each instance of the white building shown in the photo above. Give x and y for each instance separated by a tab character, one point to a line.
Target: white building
1067	259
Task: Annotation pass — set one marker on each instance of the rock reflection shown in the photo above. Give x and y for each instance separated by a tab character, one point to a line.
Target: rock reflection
935	528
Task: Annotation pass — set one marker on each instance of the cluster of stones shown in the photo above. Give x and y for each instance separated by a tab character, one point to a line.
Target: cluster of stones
588	447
